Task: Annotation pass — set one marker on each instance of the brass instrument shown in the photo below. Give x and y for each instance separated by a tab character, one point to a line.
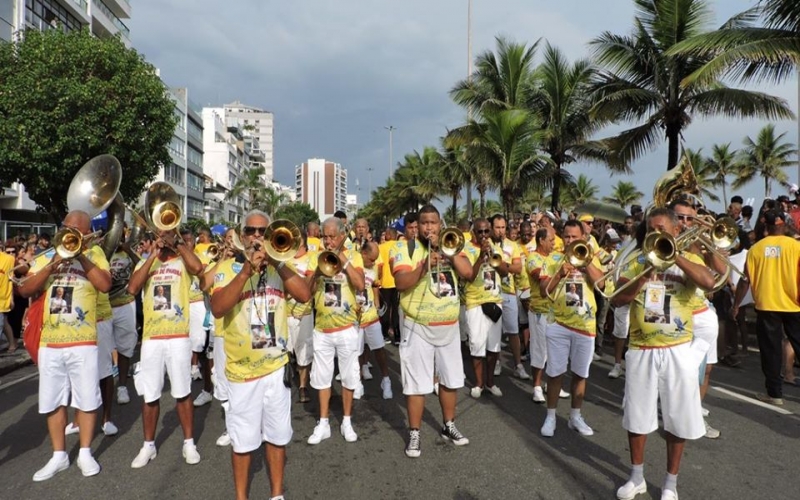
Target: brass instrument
282	240
162	209
328	261
679	182
213	251
451	243
578	254
659	251
496	259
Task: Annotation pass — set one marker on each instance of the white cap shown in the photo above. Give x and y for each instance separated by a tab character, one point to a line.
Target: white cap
793	189
550	215
612	234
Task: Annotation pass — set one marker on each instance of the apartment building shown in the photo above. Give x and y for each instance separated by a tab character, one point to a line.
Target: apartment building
258	126
323	185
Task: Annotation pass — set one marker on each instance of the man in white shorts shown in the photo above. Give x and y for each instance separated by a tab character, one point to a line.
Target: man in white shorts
68	372
662	359
301	320
369	322
539	308
165	340
430	328
570	338
123	309
335	332
252	296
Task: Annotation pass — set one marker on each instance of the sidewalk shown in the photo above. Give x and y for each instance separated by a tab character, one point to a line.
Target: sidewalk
11	362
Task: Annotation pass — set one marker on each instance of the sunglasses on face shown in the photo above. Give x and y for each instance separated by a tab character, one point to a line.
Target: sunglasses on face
684	217
483	231
251	230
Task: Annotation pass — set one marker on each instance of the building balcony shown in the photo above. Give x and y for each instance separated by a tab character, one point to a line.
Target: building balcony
104	21
120	8
8	193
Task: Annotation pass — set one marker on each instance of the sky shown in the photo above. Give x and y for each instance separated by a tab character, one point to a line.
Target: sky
335	73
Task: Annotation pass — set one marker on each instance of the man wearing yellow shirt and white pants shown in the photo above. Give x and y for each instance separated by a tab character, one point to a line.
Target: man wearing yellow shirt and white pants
68	372
570	338
335	330
251	301
369	327
539	308
199	322
662	361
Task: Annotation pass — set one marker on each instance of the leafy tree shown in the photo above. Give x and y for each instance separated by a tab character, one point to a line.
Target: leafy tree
583	191
67	97
298	212
623	194
250	183
705	175
722	164
767	156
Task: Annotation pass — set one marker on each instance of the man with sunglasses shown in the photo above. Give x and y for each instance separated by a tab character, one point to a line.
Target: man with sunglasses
250	298
68	354
166	346
335	330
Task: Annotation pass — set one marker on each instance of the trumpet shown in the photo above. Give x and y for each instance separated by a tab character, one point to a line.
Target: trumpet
716	236
451	243
659	250
213	251
68	244
328	261
496	259
282	240
578	254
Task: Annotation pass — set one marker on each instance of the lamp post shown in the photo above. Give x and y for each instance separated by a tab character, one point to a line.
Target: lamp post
391	130
369	177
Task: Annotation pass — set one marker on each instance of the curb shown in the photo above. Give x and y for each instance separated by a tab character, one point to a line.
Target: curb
10	363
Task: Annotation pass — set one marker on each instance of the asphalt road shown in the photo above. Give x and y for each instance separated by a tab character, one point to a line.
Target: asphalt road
756	456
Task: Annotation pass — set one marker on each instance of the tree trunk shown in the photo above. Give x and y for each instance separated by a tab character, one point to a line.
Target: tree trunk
724	193
556	194
767	190
455	205
482	193
469	199
673	144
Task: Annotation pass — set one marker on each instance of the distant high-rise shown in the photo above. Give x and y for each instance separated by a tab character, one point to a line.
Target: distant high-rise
257	123
323	185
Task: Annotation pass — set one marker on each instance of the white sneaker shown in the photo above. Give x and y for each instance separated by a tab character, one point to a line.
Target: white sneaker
71	429
190	454
476	392
628	491
497	368
122	395
578	424
386	387
358	392
369	365
321	432
711	433
88	466
196	375
224	439
669	495
563	394
596	357
538	395
495	391
349	434
146	454
365	373
521	373
51	468
202	399
549	427
705	411
109	429
615	372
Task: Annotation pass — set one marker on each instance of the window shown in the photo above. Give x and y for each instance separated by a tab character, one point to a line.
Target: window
181	118
194	181
48	14
174	174
194	208
195	157
177	147
195	130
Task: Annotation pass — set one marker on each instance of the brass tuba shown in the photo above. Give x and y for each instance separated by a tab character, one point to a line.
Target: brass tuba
676	183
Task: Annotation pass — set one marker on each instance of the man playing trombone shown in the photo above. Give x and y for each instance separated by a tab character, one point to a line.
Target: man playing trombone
661	362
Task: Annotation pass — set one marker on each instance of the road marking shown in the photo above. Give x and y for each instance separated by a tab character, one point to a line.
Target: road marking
23	379
756	402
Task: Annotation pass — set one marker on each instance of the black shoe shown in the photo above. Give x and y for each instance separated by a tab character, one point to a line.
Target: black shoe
413	449
450	433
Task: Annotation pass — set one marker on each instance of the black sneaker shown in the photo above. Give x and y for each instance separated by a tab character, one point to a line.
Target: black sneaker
413	449
450	433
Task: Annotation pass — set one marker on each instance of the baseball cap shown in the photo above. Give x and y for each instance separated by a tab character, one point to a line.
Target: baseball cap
550	215
612	235
586	218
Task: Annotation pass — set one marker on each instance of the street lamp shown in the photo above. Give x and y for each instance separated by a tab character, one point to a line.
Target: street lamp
369	177
391	129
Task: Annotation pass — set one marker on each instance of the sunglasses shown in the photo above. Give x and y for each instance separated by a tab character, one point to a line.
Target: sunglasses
251	230
684	217
483	231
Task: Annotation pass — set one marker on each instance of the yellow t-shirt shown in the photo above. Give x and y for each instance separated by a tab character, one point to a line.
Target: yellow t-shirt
104	312
533	268
598	251
6	289
387	279
433	301
661	314
165	302
559	245
511	255
305	266
522	280
213	266
70	309
313	244
335	298
486	286
772	267
201	250
573	306
366	299
121	271
255	330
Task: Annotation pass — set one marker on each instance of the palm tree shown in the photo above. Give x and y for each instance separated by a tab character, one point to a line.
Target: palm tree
268	200
623	194
454	174
417	178
642	81
766	157
250	183
705	175
583	191
722	164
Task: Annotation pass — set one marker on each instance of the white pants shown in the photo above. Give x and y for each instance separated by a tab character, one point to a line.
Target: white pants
68	376
372	336
484	334
622	321
705	326
538	348
258	411
221	391
301	339
510	314
125	336
197	332
419	358
160	356
343	345
105	346
566	346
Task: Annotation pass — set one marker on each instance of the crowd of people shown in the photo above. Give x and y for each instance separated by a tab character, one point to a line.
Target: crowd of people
252	327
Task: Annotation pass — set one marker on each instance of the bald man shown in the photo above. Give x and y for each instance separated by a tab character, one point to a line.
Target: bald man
68	359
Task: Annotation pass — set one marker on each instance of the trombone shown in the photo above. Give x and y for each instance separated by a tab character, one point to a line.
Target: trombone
451	243
162	209
328	261
716	236
659	250
578	254
282	240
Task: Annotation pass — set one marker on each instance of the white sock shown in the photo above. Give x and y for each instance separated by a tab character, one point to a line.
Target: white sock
150	444
387	378
346	420
671	482
85	453
324	421
574	412
618	366
551	413
61	455
520	367
188	442
637	474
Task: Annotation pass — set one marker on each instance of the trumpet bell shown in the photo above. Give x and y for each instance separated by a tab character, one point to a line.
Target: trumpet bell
495	260
212	251
68	243
578	254
451	242
166	216
659	250
95	185
329	263
282	240
725	233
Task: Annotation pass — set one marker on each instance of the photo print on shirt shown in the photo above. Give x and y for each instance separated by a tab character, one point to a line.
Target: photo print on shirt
333	294
443	284
162	298
61	300
573	293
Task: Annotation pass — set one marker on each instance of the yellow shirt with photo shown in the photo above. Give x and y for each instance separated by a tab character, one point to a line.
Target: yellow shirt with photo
534	264
486	286
772	267
212	267
165	301
558	246
305	266
366	299
433	301
70	308
511	255
121	272
661	313
255	330
6	288
387	279
335	298
573	306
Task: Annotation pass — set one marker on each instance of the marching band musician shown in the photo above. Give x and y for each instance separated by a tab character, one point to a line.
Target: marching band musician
250	299
662	362
570	338
430	329
301	319
68	354
538	308
123	309
166	279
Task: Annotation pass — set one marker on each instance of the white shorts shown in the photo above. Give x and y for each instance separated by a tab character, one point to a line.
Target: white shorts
622	321
105	345
301	339
125	336
463	326
538	346
343	345
705	326
566	346
221	391
68	376
197	332
419	358
669	374
258	411
372	336
159	356
484	335
510	314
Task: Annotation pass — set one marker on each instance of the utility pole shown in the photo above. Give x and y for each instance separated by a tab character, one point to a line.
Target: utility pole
391	129
369	180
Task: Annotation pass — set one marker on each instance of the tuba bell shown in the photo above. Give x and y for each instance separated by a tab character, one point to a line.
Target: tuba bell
162	208
676	183
282	240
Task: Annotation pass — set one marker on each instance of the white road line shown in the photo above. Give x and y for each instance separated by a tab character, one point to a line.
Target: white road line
23	379
756	402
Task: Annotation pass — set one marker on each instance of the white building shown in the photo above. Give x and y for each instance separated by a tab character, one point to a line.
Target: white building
323	185
352	206
226	157
257	126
